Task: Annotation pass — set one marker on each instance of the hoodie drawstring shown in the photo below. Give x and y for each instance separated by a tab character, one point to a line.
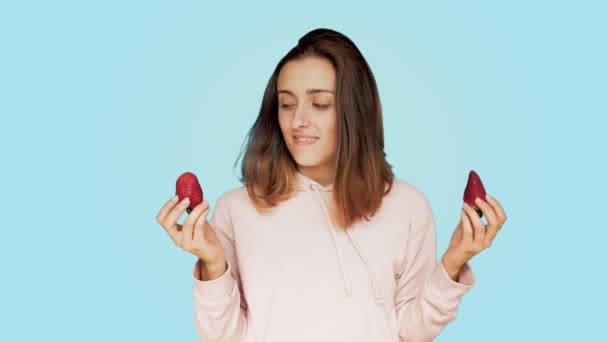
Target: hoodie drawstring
340	252
337	244
370	272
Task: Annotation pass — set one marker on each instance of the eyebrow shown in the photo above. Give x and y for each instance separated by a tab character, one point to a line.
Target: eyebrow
308	91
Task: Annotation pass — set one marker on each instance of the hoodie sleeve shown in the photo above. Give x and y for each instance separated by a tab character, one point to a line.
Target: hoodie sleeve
426	298
220	307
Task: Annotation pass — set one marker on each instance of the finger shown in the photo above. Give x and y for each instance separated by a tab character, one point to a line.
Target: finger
493	222
500	212
170	221
188	228
193	217
488	211
478	227
490	234
199	226
194	214
171	230
164	211
467	229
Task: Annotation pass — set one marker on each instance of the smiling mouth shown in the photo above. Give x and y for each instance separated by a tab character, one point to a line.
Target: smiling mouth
305	140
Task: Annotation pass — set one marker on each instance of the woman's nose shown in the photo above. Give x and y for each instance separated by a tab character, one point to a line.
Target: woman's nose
300	118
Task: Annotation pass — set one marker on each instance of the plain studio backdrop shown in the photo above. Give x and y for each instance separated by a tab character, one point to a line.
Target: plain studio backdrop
105	103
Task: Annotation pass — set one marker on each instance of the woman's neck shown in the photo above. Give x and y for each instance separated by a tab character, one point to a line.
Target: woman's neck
323	176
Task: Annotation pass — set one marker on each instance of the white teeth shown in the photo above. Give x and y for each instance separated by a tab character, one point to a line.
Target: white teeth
305	139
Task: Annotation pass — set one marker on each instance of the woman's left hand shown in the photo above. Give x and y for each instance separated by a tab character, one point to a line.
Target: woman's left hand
472	235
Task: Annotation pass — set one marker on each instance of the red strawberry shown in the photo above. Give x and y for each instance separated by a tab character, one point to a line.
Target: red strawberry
187	186
473	190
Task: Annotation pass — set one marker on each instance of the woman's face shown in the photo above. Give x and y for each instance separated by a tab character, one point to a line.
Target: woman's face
306	91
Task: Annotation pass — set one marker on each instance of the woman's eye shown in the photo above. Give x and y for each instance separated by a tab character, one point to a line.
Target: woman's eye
286	106
320	106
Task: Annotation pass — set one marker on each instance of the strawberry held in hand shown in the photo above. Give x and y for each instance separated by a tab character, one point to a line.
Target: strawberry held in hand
187	186
473	190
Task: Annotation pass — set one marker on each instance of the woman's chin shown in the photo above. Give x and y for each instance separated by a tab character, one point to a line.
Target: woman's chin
304	162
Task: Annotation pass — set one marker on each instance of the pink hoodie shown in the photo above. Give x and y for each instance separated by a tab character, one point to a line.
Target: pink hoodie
293	276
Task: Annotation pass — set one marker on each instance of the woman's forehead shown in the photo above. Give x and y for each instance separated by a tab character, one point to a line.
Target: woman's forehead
307	77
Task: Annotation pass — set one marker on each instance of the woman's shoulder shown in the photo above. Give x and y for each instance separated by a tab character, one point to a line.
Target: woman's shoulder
229	203
405	189
234	195
404	194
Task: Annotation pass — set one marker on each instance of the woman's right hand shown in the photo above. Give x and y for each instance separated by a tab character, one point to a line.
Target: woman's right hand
195	236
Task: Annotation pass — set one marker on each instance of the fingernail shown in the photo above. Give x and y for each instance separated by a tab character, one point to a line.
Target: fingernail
465	205
174	198
186	200
489	197
478	200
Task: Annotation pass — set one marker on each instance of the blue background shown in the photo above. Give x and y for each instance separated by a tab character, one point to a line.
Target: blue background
105	103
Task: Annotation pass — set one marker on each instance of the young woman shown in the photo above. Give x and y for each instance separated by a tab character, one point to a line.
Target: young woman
323	243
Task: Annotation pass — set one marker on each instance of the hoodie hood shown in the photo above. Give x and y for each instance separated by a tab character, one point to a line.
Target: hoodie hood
305	184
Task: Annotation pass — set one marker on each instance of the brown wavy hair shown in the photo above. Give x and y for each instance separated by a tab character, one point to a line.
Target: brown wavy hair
363	176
